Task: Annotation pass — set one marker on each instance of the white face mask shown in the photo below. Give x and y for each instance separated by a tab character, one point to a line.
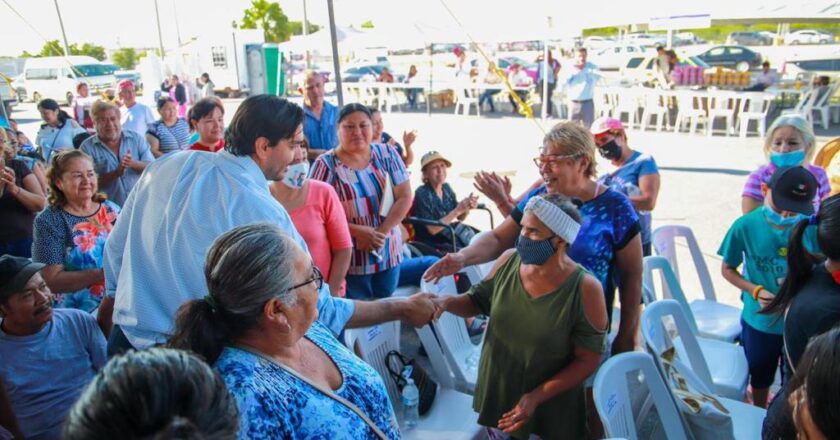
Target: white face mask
296	174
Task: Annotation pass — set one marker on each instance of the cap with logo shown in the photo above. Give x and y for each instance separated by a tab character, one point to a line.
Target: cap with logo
793	189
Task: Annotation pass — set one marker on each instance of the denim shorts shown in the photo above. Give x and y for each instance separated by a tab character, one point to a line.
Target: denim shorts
764	355
378	285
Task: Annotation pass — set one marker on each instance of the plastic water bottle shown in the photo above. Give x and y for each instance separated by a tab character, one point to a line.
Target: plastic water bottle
633	190
411	403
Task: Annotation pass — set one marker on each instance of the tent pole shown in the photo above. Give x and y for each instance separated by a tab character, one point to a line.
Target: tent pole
431	69
336	61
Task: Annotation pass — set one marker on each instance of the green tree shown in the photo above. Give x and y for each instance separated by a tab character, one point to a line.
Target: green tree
297	27
54	48
367	25
126	58
269	17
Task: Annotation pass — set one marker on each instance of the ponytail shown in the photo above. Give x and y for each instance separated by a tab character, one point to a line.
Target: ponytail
201	330
800	264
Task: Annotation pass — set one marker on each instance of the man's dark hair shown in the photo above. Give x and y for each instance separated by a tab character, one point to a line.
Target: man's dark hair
658	48
265	116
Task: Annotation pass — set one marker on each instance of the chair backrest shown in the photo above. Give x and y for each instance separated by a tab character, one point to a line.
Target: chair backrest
665	244
825	98
658	339
375	342
451	330
806	101
661	264
446	286
755	102
611	393
443	373
722	101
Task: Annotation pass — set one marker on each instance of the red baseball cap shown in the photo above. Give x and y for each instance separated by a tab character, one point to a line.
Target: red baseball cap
605	124
126	84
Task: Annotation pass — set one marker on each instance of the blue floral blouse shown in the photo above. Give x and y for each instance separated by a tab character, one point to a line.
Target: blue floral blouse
273	404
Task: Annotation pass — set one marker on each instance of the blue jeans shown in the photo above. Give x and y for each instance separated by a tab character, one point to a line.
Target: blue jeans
412	269
487	95
411	96
764	353
17	248
117	342
371	286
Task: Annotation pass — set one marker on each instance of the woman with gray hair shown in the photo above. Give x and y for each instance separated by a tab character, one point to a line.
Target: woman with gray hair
790	141
531	377
258	326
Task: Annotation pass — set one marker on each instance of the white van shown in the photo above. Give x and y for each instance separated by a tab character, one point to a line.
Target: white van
57	77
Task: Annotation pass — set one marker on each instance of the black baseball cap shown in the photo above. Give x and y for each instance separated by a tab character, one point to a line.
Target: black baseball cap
793	189
15	272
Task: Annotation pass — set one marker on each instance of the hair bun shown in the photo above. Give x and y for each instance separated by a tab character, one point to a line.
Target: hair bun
179	428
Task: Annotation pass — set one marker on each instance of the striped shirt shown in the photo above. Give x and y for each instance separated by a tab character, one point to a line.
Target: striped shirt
752	188
172	138
360	192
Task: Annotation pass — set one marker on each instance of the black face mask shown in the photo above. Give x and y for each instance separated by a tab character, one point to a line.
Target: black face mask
610	151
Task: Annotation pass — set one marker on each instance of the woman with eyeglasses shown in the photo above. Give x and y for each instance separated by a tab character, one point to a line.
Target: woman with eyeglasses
608	245
372	184
258	326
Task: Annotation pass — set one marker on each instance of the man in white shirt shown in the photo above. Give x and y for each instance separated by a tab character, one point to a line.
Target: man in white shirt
764	79
518	78
134	116
580	88
154	257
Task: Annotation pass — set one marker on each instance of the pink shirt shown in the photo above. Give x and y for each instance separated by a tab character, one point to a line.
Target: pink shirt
323	225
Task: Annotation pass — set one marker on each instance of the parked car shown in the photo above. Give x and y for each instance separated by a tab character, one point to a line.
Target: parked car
596	43
646	40
642	68
612	58
807	36
749	38
736	57
57	77
810	67
505	63
355	74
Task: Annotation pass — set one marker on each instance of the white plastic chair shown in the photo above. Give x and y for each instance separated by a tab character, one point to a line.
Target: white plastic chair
451	330
627	102
690	112
388	99
719	321
754	107
655	105
465	97
822	105
612	398
722	104
451	415
604	104
804	106
443	374
722	367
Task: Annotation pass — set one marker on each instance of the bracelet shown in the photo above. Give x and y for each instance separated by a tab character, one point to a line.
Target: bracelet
756	291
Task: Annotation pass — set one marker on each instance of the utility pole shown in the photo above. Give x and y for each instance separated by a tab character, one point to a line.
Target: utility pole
160	35
305	33
336	61
63	34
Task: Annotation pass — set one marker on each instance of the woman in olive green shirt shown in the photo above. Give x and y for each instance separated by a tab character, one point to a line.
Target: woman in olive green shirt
547	329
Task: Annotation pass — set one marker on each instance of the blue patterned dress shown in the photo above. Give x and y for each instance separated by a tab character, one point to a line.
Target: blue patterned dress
273	404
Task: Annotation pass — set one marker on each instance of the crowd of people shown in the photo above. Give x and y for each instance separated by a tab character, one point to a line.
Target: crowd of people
176	278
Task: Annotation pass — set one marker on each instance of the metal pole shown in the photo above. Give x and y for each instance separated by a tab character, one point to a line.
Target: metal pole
544	92
305	33
336	61
177	26
63	34
236	57
160	35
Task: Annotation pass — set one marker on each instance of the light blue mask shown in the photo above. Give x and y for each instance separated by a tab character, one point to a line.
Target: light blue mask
775	218
791	159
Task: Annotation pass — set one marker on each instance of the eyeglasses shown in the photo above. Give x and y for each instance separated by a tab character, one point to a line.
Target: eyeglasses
552	159
317	277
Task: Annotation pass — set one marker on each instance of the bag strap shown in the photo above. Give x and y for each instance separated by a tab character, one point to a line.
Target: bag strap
396	375
328	392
